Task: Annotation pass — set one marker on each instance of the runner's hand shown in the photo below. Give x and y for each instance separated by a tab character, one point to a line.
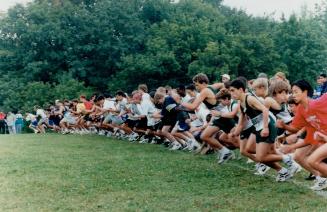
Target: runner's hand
265	132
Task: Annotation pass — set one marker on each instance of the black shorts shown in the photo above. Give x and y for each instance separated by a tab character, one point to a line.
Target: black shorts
281	131
142	123
245	134
139	124
55	120
272	134
169	121
156	127
224	124
87	118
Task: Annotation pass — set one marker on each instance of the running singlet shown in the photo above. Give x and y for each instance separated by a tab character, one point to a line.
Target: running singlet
208	104
256	116
282	114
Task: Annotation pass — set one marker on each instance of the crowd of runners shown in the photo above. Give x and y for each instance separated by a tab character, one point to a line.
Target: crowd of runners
271	122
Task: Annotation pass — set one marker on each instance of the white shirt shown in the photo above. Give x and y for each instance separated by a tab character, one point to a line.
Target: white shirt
40	112
109	104
30	117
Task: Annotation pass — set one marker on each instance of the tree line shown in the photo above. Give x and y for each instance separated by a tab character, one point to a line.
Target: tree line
57	49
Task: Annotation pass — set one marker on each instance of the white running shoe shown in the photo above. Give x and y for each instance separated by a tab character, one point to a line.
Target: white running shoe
295	168
282	177
224	157
176	146
320	184
262	169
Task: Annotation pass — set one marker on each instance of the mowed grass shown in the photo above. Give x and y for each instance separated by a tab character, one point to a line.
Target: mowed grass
91	173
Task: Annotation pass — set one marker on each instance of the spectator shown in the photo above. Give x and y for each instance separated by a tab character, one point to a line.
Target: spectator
2	123
19	124
11	119
321	86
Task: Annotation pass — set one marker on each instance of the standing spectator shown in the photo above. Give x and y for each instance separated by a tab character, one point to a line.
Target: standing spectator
11	120
19	124
321	87
2	123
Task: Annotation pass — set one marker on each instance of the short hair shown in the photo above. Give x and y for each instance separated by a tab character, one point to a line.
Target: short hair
190	87
99	98
120	93
143	87
161	90
323	75
260	82
201	78
181	87
281	75
291	101
107	95
158	96
223	94
263	75
304	86
152	94
238	84
277	87
243	79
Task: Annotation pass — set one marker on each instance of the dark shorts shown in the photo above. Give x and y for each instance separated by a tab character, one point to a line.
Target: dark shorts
245	134
183	127
169	121
281	131
55	120
87	118
272	134
156	127
224	124
139	124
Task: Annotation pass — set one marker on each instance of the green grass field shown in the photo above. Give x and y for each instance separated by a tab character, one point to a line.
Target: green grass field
92	173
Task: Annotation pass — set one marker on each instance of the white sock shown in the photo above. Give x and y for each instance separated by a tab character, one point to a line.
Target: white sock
224	150
287	159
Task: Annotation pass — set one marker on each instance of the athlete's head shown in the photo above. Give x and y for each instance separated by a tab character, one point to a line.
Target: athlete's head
190	90
120	95
237	88
291	105
159	98
143	88
279	90
181	90
200	81
137	97
224	97
301	90
260	87
100	100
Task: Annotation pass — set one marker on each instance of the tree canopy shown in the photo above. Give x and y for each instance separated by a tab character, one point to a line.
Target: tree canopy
58	49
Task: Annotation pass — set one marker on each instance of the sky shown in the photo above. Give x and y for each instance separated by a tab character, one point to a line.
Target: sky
262	7
253	7
5	4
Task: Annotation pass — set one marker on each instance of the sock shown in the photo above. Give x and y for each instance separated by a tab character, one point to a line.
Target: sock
287	159
224	150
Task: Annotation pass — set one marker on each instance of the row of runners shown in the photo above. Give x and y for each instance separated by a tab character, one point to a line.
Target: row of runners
272	122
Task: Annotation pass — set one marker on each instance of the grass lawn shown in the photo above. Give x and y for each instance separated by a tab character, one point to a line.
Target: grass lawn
91	173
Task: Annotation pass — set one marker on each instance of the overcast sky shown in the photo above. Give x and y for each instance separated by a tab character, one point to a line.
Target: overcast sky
261	7
5	4
254	7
